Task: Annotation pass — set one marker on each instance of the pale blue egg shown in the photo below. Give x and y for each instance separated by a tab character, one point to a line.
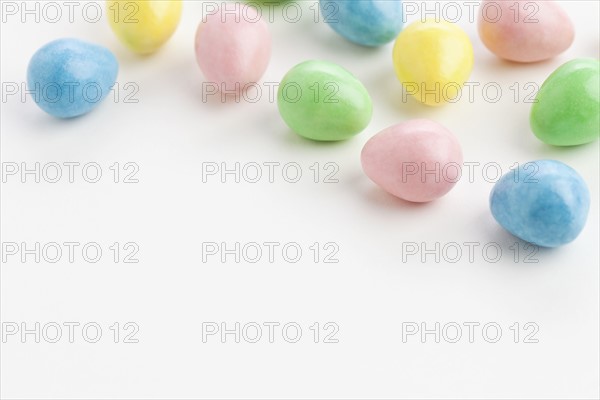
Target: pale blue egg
365	22
542	202
69	77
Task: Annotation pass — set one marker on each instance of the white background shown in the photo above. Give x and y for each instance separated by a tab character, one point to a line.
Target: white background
369	294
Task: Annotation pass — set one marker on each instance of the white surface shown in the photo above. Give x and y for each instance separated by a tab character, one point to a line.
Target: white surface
369	294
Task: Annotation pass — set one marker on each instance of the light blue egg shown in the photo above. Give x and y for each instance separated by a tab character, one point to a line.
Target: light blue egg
69	77
365	22
542	202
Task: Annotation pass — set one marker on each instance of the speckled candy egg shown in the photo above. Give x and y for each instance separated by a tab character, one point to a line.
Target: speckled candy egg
525	30
233	47
365	22
542	202
144	26
433	60
417	160
566	111
320	100
70	77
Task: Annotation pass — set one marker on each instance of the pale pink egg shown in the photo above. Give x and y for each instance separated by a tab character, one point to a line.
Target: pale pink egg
233	48
525	30
417	160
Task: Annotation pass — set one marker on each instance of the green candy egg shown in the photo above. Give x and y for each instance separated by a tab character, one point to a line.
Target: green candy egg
322	101
567	107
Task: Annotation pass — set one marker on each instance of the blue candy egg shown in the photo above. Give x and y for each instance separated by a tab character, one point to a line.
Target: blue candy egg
69	77
542	202
365	22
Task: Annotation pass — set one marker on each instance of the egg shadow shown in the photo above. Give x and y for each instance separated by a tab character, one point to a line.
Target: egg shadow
291	139
526	139
316	31
495	66
493	233
376	197
40	123
388	92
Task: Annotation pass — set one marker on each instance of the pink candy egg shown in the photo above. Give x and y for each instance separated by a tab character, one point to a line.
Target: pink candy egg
525	30
233	48
417	160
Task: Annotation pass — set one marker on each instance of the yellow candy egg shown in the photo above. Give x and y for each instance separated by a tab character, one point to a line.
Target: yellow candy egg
144	26
433	60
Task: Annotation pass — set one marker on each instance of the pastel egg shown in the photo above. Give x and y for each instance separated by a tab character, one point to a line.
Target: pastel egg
144	26
322	101
365	22
70	77
525	30
433	60
233	48
566	111
417	160
542	202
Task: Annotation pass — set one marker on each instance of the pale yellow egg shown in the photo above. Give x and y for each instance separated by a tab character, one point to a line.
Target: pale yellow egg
433	60
144	26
